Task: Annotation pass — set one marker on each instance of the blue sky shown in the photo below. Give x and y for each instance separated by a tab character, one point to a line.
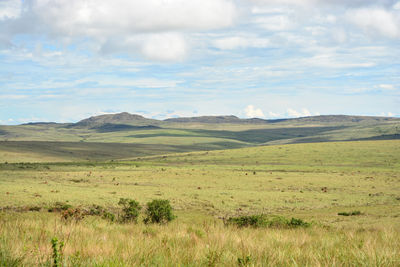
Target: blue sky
65	60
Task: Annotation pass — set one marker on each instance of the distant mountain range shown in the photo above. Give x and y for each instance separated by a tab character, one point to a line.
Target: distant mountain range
126	118
124	135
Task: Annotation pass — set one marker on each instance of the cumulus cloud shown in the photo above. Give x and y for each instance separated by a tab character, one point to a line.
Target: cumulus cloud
303	113
376	21
387	114
165	47
10	9
274	23
252	112
324	2
148	27
274	115
99	17
235	42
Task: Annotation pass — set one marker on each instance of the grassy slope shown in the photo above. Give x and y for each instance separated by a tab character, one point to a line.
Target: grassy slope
276	178
335	127
39	151
202	186
95	144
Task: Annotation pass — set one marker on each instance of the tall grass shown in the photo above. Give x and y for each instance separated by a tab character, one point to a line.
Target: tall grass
94	241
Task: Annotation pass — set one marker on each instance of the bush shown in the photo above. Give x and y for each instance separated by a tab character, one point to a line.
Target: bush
265	221
245	221
57	252
96	210
159	211
59	206
75	214
353	213
130	209
7	259
108	216
244	261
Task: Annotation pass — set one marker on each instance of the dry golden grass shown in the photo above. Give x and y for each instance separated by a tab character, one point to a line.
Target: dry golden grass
313	182
208	242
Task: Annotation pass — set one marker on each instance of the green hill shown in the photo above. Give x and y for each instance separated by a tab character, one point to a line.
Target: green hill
119	118
124	135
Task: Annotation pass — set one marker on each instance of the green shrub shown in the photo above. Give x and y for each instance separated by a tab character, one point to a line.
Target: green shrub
96	210
353	213
57	252
75	214
130	209
262	220
59	206
244	261
159	211
251	220
108	216
6	259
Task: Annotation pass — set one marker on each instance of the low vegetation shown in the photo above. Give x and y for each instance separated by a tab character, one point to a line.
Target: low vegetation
352	213
130	210
285	205
267	221
159	211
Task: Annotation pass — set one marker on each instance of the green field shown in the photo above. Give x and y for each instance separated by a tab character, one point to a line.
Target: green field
313	182
143	136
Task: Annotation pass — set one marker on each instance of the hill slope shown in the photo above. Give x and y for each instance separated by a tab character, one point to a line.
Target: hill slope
150	137
119	118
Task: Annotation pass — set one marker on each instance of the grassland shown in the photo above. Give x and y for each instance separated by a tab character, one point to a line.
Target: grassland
313	182
153	137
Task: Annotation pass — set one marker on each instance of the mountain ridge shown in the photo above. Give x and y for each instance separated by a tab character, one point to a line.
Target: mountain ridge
139	120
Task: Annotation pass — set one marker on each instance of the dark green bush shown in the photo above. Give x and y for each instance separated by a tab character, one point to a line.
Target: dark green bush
159	211
97	210
251	220
109	216
262	220
130	209
57	252
59	206
244	261
353	213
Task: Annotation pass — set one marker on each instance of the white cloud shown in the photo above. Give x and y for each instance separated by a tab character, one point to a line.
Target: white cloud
387	114
303	113
334	60
274	23
13	97
165	47
350	3
99	17
252	112
235	42
387	86
154	28
10	9
273	115
376	21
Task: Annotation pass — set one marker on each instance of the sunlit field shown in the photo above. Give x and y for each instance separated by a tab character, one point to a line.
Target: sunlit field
311	182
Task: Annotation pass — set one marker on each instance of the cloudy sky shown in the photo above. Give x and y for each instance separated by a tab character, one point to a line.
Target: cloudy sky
64	60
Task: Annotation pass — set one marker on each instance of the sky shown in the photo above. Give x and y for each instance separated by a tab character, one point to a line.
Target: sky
66	60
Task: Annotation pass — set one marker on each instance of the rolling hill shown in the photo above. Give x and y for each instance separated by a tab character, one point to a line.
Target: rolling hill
124	135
